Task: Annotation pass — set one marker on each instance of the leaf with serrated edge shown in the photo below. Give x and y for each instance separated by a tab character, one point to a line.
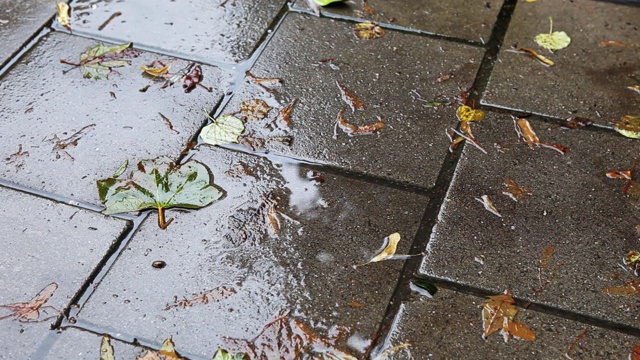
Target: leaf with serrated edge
225	129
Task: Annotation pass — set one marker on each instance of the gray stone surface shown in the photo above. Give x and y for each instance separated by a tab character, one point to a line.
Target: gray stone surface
306	269
82	345
38	101
42	243
19	20
310	55
588	80
449	326
458	18
224	31
574	208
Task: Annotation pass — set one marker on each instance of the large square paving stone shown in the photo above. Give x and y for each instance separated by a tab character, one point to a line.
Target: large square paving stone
116	121
449	326
206	31
305	269
588	79
83	345
389	75
461	19
578	221
19	21
44	242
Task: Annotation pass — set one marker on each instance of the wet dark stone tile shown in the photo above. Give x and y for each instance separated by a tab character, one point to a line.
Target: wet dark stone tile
461	19
588	80
205	31
312	55
303	266
449	326
39	101
19	21
575	210
43	243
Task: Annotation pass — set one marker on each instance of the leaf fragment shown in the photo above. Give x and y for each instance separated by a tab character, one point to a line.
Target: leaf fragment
635	353
488	205
614	43
222	354
553	40
368	31
62	16
106	349
159	184
527	135
543	60
350	98
205	297
121	169
166	352
254	109
156	68
468	114
498	313
629	126
576	122
353	130
223	130
630	288
30	311
632	260
326	2
427	286
515	192
389	250
635	88
285	114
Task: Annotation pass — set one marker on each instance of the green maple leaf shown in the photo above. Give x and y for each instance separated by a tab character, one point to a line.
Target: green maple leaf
98	61
159	184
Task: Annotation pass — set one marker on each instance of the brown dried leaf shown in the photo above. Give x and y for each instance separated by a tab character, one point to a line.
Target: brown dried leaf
614	43
368	31
528	135
350	98
285	114
619	174
576	122
488	205
254	109
516	192
498	314
635	353
630	287
30	311
166	352
263	81
546	256
543	60
353	130
213	295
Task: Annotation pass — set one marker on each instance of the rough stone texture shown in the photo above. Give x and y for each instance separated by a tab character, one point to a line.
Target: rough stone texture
461	19
19	20
311	55
198	29
588	80
82	345
449	326
575	209
42	243
38	102
305	269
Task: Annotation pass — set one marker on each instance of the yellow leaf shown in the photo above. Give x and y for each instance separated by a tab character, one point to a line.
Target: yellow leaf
368	31
466	113
488	205
106	350
498	314
388	251
166	352
635	88
155	71
629	126
553	40
63	14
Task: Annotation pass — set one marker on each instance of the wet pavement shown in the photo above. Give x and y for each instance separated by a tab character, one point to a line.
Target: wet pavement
345	141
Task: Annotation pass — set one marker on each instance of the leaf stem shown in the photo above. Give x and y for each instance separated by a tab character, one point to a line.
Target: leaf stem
550	25
161	219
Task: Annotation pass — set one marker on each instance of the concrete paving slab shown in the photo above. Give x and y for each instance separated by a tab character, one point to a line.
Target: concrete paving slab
98	123
223	31
312	56
19	21
449	326
45	243
588	79
83	345
461	19
577	221
251	270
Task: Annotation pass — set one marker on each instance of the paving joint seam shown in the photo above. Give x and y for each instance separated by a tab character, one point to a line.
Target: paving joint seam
533	306
24	48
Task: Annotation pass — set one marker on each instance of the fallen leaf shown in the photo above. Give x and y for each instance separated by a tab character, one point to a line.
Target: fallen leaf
629	126
160	184
106	350
553	40
427	286
389	250
528	135
443	78
30	311
535	55
488	205
121	169
97	62
178	76
63	14
350	98
18	158
205	297
614	43
632	260
223	130
222	354
635	353
635	88
467	114
574	343
516	192
157	68
166	352
368	31
353	130
254	109
619	174
263	81
355	304
498	314
193	79
326	2
576	122
285	114
60	146
630	287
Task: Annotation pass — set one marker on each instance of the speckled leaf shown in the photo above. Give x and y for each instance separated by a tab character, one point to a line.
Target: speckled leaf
629	126
160	184
225	129
106	350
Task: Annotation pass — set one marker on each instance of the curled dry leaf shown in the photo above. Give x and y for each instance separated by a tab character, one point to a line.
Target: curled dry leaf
30	311
624	174
254	109
632	260
389	250
63	14
166	352
543	60
488	205
498	313
350	98
553	40
156	68
527	135
368	31
629	126
516	192
353	130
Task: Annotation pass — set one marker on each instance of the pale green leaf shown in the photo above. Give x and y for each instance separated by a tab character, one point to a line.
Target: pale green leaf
121	169
97	62
106	350
629	126
326	2
225	129
222	354
101	50
554	40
